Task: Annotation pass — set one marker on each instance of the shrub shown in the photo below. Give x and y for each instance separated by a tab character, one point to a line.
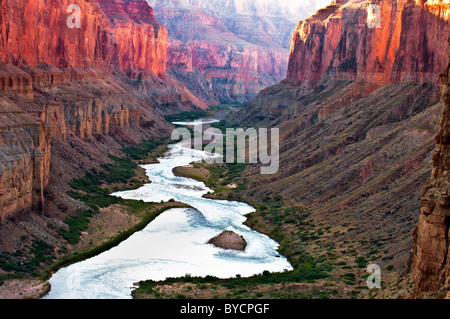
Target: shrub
361	262
77	224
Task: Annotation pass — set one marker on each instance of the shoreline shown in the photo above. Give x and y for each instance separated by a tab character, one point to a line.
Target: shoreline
113	242
109	244
121	234
183	171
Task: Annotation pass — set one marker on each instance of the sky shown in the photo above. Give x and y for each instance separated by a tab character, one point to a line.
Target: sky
292	9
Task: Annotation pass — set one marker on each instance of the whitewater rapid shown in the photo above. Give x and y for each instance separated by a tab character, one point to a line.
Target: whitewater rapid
175	243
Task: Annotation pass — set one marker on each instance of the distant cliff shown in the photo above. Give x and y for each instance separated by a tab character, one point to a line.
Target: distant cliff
228	59
338	43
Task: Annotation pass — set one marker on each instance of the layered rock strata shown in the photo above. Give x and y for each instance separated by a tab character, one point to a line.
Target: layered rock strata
341	42
431	270
121	34
357	116
71	85
230	66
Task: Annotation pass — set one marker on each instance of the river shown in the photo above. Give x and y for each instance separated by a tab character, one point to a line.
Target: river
175	243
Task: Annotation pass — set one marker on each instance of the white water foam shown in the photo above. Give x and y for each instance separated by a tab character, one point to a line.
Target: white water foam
175	243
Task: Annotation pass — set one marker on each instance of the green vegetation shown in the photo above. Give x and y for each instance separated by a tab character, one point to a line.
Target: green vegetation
265	278
194	115
77	224
187	116
361	262
291	215
221	107
280	217
225	174
91	189
40	253
143	150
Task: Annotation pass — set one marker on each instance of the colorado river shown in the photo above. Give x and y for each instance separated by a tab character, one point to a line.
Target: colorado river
175	243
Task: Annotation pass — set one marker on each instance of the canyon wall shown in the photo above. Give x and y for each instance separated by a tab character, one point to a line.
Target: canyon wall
357	115
431	269
407	44
24	161
63	104
228	51
104	83
120	34
287	10
231	58
340	42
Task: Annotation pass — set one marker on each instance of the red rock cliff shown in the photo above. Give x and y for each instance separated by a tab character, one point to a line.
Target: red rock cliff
431	270
338	43
119	34
49	88
231	67
408	44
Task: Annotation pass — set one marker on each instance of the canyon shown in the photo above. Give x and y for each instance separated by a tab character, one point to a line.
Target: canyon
358	107
225	51
431	269
357	113
70	99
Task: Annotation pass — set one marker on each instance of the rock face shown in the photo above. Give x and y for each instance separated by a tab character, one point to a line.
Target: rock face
227	51
231	58
24	161
229	240
431	268
338	42
357	116
288	10
140	40
64	89
108	29
94	104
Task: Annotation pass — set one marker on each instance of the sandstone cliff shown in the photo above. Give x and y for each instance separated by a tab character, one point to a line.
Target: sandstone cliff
118	34
431	268
63	90
337	42
357	116
230	62
287	10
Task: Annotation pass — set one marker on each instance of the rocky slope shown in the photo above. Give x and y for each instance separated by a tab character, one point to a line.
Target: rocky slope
357	115
431	268
69	98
